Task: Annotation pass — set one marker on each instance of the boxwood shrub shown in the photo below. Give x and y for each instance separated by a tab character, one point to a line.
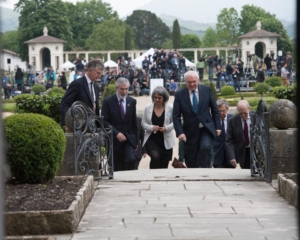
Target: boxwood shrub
227	90
45	105
35	147
274	81
56	91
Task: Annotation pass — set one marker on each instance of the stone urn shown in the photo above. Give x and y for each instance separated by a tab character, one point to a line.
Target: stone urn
283	114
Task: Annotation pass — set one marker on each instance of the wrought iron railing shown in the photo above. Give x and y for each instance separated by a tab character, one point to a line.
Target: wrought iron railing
260	143
93	148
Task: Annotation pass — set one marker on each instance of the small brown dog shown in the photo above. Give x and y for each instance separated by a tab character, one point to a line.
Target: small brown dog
177	164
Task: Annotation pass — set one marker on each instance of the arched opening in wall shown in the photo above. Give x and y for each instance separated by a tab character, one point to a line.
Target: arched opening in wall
260	49
46	57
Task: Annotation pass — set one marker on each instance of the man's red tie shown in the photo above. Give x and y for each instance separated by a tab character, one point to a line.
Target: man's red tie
247	142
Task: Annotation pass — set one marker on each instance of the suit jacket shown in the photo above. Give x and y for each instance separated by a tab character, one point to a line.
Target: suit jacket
78	91
112	116
219	146
208	114
260	76
169	139
235	140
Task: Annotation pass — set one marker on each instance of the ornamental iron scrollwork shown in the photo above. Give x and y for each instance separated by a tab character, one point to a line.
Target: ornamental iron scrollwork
260	143
93	148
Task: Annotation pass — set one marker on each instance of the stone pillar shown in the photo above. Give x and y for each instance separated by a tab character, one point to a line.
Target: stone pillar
201	53
87	57
283	151
108	56
195	56
226	56
218	52
67	56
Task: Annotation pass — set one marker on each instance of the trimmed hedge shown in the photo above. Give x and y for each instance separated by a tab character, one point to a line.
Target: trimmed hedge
274	81
38	88
109	90
56	91
36	146
261	88
227	90
283	92
45	105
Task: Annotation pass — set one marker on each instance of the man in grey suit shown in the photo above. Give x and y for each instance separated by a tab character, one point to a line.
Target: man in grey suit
201	121
238	136
220	158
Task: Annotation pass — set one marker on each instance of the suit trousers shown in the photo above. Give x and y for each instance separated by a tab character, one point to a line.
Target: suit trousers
247	159
200	154
124	157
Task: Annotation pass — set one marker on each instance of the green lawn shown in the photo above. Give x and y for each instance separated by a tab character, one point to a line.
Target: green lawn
8	107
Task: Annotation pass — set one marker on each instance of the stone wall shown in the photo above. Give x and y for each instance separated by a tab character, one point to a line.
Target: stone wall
67	165
288	189
283	151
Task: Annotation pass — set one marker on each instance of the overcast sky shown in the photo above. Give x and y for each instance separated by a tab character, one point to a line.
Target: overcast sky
197	10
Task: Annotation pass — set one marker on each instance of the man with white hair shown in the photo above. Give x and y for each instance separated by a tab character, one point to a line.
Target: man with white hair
238	136
201	121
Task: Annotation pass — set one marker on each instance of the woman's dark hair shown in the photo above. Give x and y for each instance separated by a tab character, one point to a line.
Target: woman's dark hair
63	73
19	69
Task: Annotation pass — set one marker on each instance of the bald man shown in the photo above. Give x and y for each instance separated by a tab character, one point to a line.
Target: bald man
238	136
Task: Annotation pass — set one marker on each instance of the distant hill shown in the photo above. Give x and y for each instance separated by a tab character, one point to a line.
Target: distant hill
9	19
290	28
192	25
187	27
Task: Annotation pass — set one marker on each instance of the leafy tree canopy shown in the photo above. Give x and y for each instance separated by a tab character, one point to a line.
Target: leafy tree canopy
250	14
10	41
108	35
227	27
189	41
35	15
210	38
85	15
149	30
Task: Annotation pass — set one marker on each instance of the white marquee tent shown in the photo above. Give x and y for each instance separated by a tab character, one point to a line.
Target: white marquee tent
138	61
189	63
67	64
110	63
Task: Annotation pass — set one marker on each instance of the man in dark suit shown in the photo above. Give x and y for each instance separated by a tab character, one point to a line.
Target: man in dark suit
238	136
119	112
220	158
83	89
260	75
201	121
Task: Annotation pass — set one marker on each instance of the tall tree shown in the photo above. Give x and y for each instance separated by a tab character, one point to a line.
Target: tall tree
35	15
190	41
129	38
227	27
149	30
109	35
85	15
210	38
250	14
10	41
176	34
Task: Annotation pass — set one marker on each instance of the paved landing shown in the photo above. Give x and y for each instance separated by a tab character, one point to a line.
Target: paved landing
203	204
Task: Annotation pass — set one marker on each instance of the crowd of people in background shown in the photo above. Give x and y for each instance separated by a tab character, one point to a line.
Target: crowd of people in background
236	74
169	66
